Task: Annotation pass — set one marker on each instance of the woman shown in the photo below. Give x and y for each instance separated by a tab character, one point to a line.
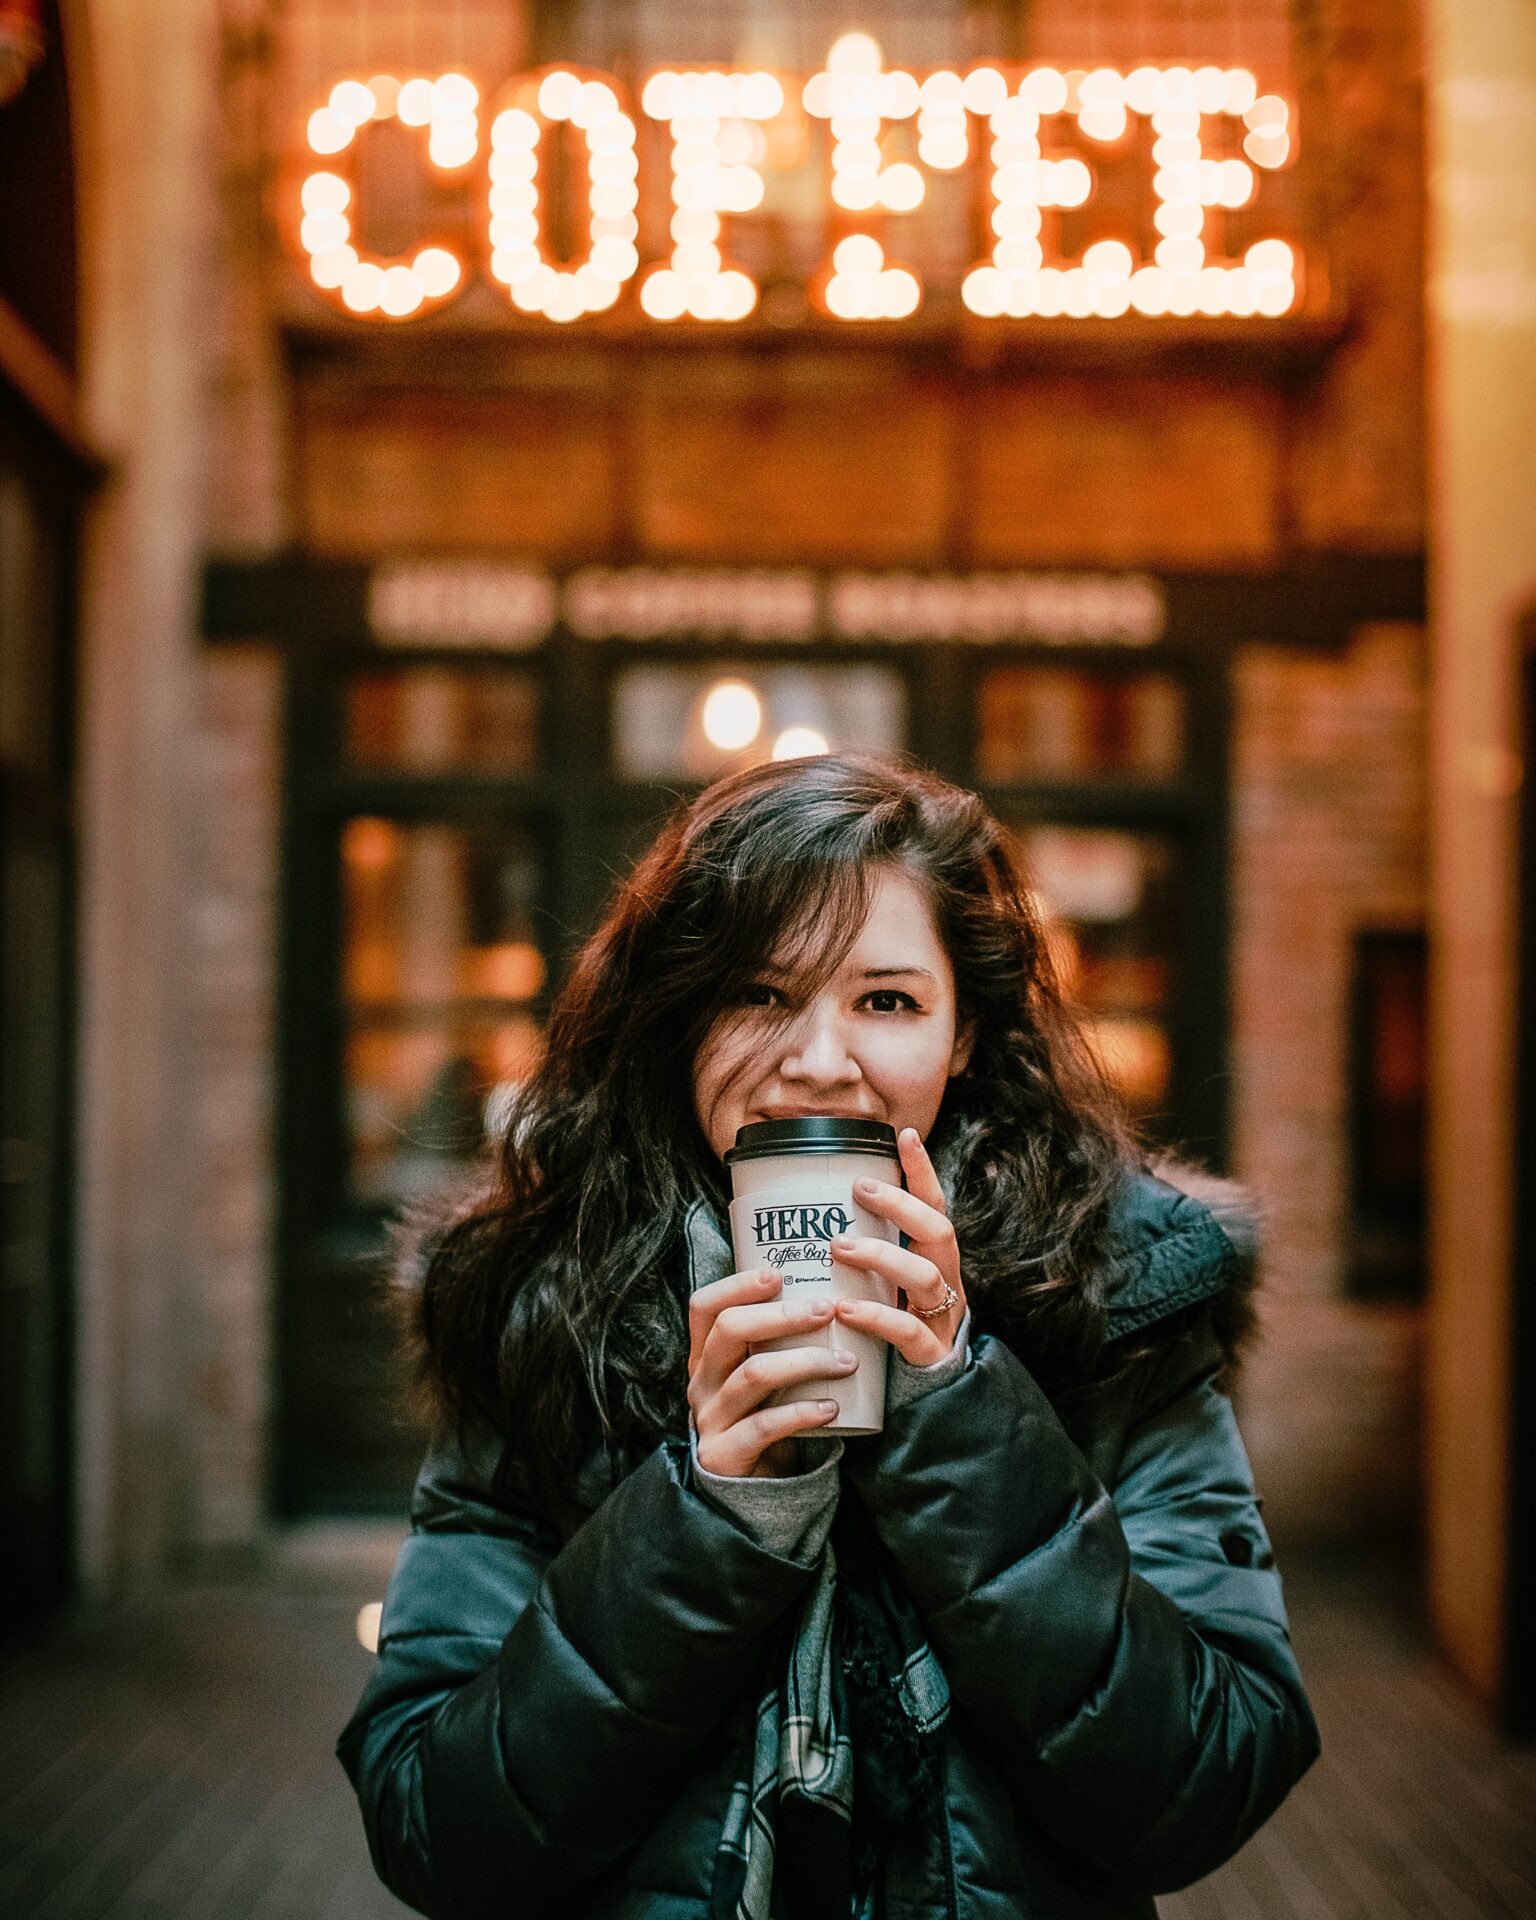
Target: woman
653	1647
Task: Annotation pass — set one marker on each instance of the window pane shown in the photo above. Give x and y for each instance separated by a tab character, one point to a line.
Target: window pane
442	970
1044	723
425	1103
439	915
441	719
1111	901
698	721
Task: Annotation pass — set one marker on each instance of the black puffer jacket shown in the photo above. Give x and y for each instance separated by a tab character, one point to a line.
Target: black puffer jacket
548	1730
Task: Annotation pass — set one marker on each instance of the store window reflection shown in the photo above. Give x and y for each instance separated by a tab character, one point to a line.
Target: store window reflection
430	719
1039	723
443	980
695	722
1110	897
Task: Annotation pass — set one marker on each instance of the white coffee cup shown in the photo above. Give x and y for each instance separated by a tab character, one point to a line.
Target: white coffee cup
793	1187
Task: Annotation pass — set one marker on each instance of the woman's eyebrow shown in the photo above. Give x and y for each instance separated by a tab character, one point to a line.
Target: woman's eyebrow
888	973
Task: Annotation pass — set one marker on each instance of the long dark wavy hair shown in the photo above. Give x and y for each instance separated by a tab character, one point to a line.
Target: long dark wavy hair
553	1314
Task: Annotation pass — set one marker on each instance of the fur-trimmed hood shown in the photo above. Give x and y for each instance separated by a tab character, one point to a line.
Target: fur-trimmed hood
1237	1217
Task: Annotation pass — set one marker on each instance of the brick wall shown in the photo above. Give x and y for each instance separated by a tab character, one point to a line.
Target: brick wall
1329	823
233	934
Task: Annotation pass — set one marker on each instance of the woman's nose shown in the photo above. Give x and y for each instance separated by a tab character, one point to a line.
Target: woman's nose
819	1053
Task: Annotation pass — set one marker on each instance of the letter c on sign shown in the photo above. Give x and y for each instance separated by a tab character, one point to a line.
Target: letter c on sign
371	286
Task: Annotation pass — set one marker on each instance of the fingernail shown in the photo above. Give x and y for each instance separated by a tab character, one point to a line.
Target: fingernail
821	1309
862	1185
844	1358
827	1406
842	1245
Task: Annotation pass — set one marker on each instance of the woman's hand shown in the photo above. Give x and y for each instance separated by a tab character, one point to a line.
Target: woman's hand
923	1269
728	1382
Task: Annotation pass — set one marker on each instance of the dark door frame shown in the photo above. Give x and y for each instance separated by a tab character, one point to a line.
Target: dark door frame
38	869
1519	1676
586	815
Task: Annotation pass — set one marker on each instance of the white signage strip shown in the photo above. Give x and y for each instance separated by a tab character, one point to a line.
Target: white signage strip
512	608
448	604
1053	608
649	603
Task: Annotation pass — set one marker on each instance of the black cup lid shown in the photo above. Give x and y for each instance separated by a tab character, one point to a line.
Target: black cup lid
819	1133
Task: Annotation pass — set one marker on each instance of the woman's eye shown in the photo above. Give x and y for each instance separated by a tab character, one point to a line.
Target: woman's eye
890	1000
758	993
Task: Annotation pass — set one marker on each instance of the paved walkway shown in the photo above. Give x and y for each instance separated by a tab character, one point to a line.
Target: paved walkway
172	1761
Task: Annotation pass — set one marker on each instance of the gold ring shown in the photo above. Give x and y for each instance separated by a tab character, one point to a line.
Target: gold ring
951	1299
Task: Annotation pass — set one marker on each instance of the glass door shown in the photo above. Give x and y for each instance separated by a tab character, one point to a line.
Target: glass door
1111	775
457	824
419	909
39	507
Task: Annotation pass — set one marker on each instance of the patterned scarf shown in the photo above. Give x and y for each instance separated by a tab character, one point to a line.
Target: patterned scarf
840	1753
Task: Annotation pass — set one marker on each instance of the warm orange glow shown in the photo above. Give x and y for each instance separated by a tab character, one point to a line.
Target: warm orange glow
514	970
718	153
369	846
1061	944
862	287
512	1052
800	743
372	288
731	716
1135	1054
731	130
553	98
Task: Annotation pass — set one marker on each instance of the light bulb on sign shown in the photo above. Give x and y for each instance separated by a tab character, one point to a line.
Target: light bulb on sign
725	129
385	89
861	286
1010	283
943	135
557	97
718	150
379	289
1271	265
856	96
1101	104
1182	184
1110	282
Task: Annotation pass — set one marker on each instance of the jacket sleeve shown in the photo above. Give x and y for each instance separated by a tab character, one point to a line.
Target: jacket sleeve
535	1706
1123	1655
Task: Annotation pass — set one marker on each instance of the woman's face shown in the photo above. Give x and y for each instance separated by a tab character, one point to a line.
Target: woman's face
879	1040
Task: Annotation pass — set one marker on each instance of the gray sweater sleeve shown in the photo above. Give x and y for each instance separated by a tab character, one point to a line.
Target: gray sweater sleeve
904	1384
792	1516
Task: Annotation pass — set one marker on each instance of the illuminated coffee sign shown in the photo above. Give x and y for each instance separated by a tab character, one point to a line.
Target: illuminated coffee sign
882	136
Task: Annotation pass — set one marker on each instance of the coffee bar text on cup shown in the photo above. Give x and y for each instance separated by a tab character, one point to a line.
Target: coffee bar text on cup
863	143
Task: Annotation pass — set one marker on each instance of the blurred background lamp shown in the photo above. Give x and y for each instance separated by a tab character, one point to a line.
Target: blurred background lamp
732	716
799	743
